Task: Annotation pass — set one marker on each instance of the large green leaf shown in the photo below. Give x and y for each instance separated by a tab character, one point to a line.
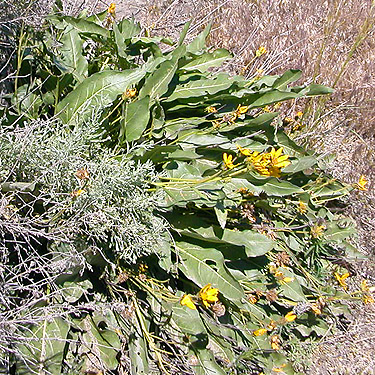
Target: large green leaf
196	265
300	164
44	348
201	88
138	352
206	364
100	341
72	60
157	84
188	321
255	244
270	185
95	92
135	120
207	60
80	24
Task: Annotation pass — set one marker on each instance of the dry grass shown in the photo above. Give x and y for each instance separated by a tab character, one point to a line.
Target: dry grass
333	43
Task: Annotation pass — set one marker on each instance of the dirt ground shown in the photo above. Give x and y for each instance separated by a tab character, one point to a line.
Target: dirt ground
333	43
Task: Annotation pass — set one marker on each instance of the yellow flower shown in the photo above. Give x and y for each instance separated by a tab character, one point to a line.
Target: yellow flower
228	161
244	151
112	8
315	309
302	207
241	109
317	230
342	279
77	193
267	163
187	301
290	316
260	51
277	159
288	120
216	123
143	268
283	279
210	109
366	288
259	332
368	299
208	295
361	184
129	94
299	114
266	109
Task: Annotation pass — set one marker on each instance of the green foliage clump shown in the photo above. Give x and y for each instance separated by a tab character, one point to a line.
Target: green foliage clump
245	266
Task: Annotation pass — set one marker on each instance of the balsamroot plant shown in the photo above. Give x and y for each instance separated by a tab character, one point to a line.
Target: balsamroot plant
156	217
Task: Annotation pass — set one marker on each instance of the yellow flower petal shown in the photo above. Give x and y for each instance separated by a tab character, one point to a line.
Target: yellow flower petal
244	151
187	301
342	279
259	332
361	184
290	316
208	295
112	8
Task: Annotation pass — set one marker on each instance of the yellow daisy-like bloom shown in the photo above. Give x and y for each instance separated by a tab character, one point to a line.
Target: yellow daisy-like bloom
210	109
299	114
266	163
187	301
302	207
361	184
260	51
267	109
290	316
342	279
228	161
259	332
208	295
112	8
